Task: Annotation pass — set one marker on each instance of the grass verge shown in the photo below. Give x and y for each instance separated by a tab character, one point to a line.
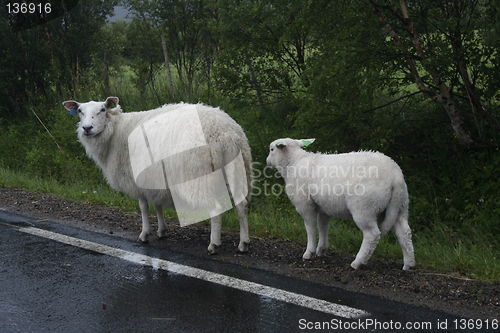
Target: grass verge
438	250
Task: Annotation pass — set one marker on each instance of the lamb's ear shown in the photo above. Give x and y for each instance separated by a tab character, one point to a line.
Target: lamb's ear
280	144
110	101
71	106
306	142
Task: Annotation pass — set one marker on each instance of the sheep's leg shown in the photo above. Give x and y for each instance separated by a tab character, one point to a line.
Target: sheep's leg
310	218
403	233
162	227
371	236
146	228
242	209
215	226
323	226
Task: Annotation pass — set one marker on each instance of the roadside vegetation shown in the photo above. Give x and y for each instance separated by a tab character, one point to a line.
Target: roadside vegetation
282	68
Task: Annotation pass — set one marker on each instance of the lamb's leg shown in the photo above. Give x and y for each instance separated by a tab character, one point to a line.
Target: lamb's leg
242	209
162	227
146	228
403	233
323	226
371	236
215	226
310	217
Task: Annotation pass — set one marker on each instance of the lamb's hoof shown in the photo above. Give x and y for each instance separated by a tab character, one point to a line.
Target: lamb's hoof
243	247
348	268
212	249
356	266
143	241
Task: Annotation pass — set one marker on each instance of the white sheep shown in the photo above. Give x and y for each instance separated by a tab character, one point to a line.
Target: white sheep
367	187
176	154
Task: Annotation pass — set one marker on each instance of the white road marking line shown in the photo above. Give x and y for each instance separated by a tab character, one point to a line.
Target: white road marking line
252	287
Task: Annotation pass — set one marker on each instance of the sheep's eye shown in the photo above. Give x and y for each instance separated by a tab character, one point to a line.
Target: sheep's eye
102	110
80	111
272	149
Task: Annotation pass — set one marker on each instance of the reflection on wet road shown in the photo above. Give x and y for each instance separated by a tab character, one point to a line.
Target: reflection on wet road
63	279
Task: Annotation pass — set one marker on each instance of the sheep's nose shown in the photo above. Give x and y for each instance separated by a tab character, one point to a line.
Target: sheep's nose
87	129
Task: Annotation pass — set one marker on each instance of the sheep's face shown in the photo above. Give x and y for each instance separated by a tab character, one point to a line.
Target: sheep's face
280	151
93	115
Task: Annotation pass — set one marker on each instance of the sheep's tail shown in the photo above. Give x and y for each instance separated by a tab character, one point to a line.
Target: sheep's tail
397	209
247	159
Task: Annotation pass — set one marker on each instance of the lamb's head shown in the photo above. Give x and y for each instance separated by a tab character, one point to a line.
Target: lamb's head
281	151
93	115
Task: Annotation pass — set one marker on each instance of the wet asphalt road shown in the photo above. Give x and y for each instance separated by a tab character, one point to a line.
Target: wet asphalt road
47	285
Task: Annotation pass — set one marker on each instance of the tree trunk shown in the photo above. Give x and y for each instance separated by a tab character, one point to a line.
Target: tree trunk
444	97
457	123
167	65
255	83
106	74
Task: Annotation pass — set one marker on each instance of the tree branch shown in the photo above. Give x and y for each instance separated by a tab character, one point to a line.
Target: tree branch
392	102
445	96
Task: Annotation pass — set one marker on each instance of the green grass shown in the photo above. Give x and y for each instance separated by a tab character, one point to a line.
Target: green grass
98	194
437	250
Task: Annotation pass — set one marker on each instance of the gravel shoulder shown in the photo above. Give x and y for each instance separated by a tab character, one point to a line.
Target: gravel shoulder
452	293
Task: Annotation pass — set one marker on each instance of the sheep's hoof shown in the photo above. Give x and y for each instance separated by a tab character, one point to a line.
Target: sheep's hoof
307	256
356	266
143	237
243	247
212	249
162	234
408	267
143	241
320	252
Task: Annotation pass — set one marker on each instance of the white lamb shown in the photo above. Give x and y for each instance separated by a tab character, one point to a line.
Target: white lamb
367	187
168	154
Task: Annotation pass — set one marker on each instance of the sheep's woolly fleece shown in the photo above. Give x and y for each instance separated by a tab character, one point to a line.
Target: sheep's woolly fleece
182	154
367	187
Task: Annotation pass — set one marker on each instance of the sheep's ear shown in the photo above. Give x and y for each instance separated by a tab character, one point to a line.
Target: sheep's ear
306	142
71	106
110	101
280	144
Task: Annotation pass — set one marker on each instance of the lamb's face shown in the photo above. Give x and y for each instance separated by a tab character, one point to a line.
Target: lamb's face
279	151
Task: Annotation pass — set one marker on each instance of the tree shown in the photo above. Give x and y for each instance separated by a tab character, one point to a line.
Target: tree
184	23
442	48
264	47
75	39
109	53
23	72
145	53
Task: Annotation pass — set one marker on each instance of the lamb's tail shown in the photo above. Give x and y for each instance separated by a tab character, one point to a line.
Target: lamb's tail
397	209
396	218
